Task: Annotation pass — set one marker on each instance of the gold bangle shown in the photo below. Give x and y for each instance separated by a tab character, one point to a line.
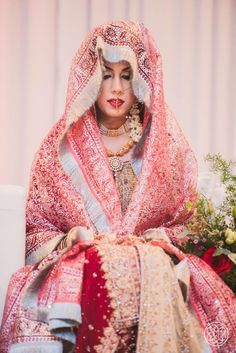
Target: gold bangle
62	244
69	241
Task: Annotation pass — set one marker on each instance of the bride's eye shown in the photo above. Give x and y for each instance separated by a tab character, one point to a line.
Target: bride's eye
106	76
126	77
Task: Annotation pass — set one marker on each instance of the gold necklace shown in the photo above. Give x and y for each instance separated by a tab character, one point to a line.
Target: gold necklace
115	162
123	150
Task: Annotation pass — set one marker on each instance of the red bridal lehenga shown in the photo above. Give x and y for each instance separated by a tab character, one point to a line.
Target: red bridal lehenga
130	289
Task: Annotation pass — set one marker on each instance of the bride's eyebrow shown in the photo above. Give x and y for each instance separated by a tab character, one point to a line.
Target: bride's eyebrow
128	68
108	68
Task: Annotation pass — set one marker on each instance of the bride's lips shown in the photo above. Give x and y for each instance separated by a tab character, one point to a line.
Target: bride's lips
115	103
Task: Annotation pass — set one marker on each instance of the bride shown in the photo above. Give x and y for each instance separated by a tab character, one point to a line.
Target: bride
106	201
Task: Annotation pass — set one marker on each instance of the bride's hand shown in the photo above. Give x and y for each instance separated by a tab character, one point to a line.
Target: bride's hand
156	234
79	234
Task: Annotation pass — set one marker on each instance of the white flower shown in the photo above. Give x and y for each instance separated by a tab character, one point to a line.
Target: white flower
135	129
229	220
135	134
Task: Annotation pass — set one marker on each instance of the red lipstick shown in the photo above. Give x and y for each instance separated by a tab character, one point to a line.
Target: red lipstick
115	103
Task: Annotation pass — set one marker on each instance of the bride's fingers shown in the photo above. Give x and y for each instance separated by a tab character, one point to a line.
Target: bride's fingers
81	234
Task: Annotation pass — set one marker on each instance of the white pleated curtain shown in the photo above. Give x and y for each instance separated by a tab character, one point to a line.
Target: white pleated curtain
197	39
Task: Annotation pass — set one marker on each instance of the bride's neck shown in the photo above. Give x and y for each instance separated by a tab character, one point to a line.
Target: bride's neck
108	121
112	123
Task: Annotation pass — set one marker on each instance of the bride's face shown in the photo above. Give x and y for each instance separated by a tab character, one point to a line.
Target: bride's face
116	94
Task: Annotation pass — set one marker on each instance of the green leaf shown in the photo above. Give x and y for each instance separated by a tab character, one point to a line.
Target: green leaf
221	251
189	205
234	212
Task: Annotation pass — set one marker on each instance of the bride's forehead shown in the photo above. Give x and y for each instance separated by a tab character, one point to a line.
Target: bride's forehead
120	64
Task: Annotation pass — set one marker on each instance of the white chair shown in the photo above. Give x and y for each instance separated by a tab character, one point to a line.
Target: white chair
12	235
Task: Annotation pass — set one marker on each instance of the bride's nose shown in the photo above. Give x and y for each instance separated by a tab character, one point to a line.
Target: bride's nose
117	88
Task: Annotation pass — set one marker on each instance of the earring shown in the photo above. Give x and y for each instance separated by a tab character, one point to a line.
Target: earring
134	110
134	123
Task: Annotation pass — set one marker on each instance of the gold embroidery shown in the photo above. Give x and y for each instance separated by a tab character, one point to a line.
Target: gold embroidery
123	283
125	183
109	342
27	330
165	323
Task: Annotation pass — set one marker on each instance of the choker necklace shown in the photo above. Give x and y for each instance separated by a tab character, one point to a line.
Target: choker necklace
114	132
115	162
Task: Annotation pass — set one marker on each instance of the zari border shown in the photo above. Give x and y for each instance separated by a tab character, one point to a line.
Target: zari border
72	168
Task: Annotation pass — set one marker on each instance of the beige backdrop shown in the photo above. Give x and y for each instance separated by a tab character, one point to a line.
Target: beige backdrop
38	38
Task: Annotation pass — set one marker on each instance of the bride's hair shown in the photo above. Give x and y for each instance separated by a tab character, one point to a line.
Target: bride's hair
139	148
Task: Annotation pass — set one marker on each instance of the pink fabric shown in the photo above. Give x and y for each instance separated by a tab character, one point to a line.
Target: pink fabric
212	300
169	166
167	179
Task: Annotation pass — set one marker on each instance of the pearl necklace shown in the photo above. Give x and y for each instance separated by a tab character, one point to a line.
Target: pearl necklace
114	132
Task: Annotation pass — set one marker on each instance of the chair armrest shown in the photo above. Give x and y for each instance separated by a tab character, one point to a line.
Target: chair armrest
12	235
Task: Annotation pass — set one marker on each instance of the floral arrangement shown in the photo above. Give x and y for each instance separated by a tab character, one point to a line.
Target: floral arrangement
211	231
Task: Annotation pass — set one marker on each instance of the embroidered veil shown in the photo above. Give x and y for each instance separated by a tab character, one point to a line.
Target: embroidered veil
72	184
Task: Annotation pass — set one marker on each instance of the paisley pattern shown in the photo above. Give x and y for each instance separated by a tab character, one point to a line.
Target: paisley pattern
125	182
167	179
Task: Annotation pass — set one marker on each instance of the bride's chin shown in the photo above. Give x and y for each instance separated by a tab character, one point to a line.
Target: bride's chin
119	115
113	120
116	115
